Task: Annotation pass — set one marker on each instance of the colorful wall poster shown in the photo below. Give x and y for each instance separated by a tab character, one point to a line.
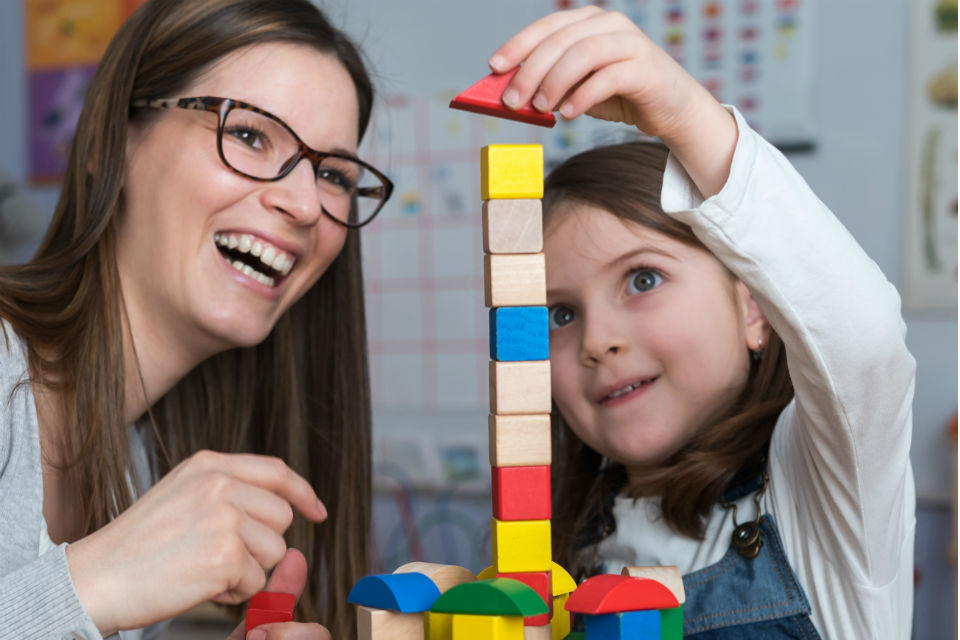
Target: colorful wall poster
930	254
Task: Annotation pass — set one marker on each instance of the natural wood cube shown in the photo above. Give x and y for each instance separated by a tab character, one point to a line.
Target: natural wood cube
519	441
377	624
519	387
515	280
512	226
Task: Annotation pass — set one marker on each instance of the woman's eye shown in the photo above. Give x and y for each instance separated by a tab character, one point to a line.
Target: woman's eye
560	316
250	137
643	280
336	178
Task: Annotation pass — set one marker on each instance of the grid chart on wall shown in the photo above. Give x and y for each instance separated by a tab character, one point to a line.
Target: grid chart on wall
423	255
753	54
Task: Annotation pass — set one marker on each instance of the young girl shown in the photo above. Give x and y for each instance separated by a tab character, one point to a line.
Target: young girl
732	389
200	281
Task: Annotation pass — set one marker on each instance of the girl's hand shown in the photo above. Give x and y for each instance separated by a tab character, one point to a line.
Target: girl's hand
600	63
209	530
289	577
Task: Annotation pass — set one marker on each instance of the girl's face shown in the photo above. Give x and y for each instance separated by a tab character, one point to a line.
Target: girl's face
180	204
649	337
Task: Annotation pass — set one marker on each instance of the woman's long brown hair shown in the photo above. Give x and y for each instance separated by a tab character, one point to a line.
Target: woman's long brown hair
626	180
302	394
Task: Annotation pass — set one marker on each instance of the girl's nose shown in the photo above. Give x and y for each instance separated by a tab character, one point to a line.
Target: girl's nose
602	339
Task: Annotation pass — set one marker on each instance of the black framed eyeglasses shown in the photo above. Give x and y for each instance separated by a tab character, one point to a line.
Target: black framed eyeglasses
258	145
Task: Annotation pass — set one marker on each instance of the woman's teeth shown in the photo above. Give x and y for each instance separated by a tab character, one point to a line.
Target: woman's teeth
275	260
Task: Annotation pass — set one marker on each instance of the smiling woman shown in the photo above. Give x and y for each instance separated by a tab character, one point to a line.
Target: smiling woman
198	291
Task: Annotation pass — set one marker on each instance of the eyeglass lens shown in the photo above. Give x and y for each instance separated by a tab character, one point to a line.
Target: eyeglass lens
261	147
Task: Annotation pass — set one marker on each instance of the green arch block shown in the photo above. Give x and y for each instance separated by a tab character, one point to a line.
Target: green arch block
493	597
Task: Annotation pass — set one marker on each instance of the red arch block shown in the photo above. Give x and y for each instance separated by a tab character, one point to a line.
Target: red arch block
609	593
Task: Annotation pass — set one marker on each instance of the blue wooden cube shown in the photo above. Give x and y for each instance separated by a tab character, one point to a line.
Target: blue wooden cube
519	334
630	625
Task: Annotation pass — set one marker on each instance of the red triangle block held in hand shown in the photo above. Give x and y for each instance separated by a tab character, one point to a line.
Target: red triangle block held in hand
486	97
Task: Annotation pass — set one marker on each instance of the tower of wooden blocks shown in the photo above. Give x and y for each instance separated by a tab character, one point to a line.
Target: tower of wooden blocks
524	594
511	185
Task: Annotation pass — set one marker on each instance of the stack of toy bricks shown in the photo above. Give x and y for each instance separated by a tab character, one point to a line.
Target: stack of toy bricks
519	422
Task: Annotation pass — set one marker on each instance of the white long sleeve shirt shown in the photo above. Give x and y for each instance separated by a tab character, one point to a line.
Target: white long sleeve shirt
841	487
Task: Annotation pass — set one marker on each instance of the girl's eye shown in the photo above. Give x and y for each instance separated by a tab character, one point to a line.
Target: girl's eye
643	280
560	316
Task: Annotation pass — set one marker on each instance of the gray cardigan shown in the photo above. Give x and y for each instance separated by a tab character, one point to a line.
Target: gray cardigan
37	595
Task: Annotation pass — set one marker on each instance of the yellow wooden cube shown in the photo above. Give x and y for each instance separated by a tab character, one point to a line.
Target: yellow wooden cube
476	627
521	545
511	171
437	626
515	280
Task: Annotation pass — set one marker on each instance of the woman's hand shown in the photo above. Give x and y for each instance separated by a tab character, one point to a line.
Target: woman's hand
600	63
289	577
209	530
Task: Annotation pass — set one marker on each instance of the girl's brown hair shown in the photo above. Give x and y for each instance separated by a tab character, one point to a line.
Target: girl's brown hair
626	180
301	395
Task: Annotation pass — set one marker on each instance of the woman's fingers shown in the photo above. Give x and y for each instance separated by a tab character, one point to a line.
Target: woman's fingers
263	505
290	574
263	543
268	473
247	578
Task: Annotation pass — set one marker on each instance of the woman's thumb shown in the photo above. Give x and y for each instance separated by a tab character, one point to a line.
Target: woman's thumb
290	574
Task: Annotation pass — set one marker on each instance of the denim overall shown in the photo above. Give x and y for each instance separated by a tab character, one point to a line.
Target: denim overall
742	598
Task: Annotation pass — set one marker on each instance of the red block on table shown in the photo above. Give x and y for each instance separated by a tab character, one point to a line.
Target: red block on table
521	493
486	97
542	583
269	606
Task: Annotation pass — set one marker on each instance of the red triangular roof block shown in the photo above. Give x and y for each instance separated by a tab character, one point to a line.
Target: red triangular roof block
609	593
486	97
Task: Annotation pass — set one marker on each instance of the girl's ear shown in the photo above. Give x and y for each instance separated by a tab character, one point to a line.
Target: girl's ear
755	324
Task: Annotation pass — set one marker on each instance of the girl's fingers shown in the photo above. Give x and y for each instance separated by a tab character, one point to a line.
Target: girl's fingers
586	38
516	49
574	68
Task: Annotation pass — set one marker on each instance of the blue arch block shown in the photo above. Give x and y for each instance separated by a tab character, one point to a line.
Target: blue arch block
519	334
404	592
